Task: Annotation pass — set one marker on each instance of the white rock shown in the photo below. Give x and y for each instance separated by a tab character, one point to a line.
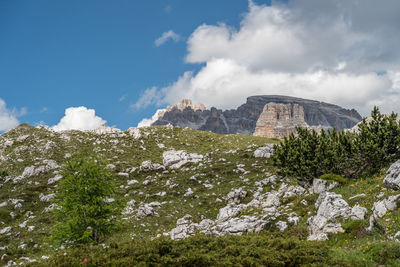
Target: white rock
147	166
5	230
281	225
131	182
46	198
188	192
235	195
264	152
123	174
380	208
392	179
134	132
54	179
175	159
320	186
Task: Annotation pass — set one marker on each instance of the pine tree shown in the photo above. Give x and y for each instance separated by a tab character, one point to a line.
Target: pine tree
85	212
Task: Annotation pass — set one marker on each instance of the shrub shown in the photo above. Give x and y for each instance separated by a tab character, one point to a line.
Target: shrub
84	214
308	154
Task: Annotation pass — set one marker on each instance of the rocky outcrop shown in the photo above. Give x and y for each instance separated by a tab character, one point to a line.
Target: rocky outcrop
175	159
243	120
279	120
264	152
184	104
380	208
331	207
392	179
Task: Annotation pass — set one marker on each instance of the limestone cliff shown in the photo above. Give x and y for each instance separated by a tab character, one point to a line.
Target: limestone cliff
279	120
243	120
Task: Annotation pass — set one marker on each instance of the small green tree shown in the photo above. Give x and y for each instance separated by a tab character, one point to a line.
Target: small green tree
85	213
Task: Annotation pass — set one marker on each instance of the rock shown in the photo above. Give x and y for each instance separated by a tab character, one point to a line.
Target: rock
134	132
264	152
294	191
175	159
279	120
188	192
320	186
124	174
5	230
281	225
229	211
148	210
104	129
129	207
293	219
147	166
380	208
243	119
32	171
131	182
331	207
392	179
46	198
54	179
235	196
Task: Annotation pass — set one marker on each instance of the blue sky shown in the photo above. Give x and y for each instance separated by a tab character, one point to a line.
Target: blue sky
102	55
58	54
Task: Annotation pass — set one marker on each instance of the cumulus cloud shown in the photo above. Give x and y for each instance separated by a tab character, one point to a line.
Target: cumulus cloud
167	36
148	122
8	118
338	51
79	118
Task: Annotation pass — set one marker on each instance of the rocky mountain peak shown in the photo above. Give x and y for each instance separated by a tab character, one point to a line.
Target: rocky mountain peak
184	104
279	120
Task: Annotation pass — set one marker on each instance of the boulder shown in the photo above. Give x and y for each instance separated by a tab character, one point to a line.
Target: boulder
147	166
392	179
320	186
236	195
331	207
175	159
264	152
380	208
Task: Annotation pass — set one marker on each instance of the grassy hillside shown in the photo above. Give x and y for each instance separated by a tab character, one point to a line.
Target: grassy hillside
228	164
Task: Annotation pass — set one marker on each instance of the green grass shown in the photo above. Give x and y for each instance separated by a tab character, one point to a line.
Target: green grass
132	243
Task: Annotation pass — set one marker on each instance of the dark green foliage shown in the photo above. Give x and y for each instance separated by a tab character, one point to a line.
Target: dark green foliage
3	173
84	215
385	253
309	155
266	249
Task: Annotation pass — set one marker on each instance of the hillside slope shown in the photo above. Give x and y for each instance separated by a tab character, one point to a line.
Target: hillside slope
215	185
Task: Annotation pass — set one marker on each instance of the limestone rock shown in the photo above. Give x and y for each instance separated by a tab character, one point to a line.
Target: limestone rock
175	159
320	186
264	152
279	120
392	179
236	195
331	207
380	208
147	166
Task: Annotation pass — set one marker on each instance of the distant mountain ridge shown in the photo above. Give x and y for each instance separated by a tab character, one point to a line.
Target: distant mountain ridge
243	120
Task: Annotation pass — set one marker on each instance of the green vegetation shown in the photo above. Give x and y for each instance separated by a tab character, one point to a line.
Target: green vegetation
353	155
84	214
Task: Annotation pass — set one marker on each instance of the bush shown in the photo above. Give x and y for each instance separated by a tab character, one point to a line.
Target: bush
262	249
84	214
308	154
3	173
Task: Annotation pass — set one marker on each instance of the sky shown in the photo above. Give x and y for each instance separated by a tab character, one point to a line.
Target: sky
79	64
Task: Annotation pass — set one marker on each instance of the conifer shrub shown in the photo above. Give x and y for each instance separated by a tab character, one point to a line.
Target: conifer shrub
84	211
308	154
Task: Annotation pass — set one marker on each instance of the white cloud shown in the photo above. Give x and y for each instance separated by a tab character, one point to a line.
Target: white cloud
338	51
79	118
8	118
166	36
148	122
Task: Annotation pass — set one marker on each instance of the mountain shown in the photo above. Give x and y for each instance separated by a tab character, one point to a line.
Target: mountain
192	198
243	120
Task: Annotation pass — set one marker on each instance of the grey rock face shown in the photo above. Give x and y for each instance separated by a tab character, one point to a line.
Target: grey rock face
320	186
243	119
392	179
381	207
264	152
331	207
175	159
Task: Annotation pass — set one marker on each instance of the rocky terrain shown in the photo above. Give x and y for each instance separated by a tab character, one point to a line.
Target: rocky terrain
245	118
176	183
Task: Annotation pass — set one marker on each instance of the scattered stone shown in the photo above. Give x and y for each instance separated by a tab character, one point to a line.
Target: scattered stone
47	198
54	179
235	196
134	132
5	230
